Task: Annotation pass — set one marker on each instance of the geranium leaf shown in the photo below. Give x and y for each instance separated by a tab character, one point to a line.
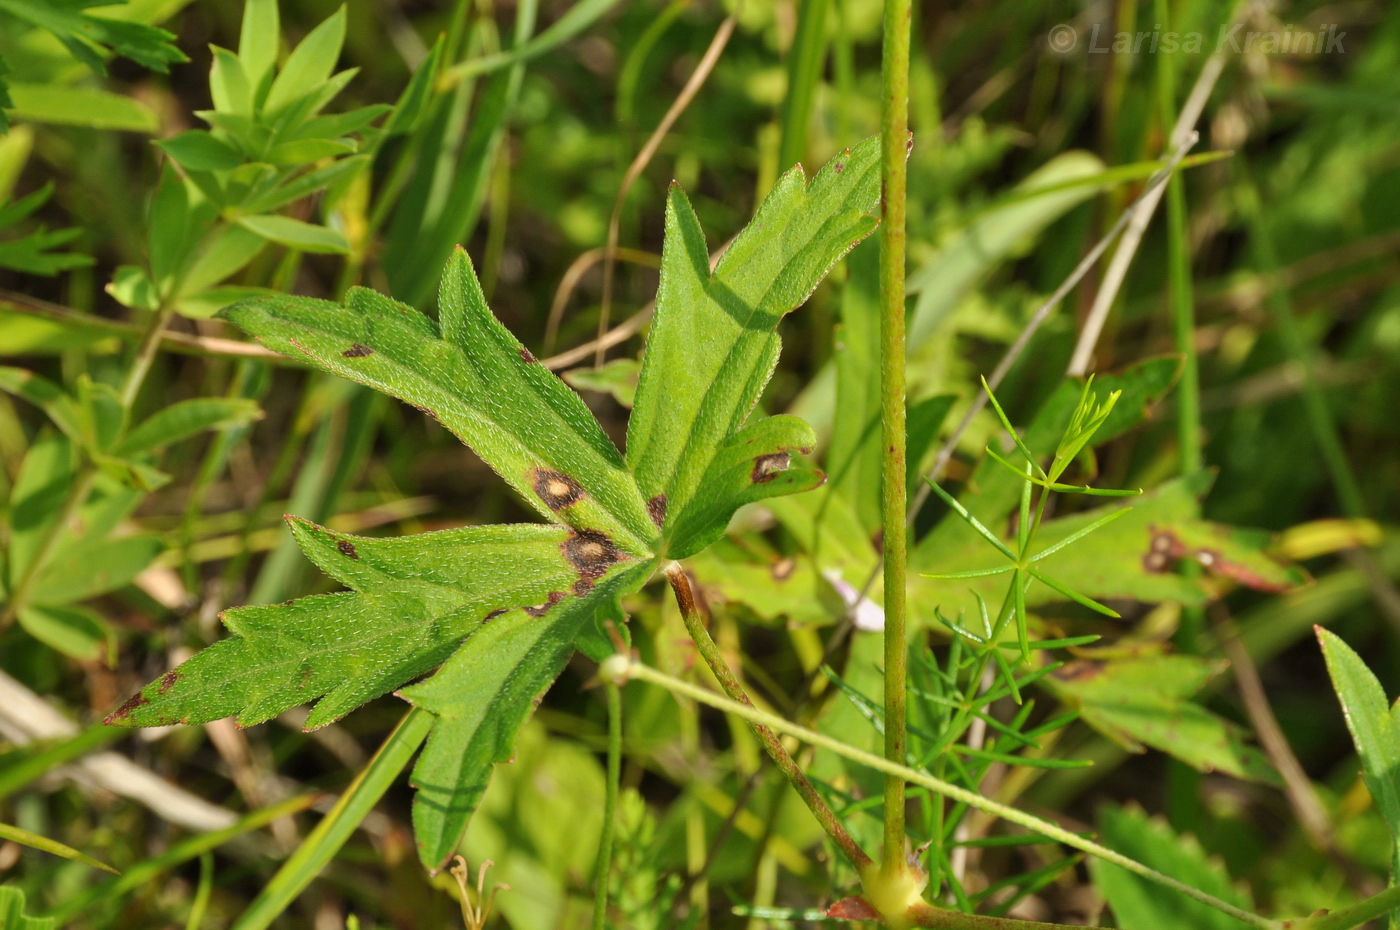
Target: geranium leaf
714	342
413	599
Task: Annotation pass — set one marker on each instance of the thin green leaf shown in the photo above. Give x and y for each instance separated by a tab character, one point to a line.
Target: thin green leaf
309	65
296	234
1371	722
185	419
713	342
1080	533
34	841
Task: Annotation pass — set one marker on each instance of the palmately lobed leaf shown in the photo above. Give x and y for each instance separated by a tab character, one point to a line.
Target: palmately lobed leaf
478	381
713	342
414	599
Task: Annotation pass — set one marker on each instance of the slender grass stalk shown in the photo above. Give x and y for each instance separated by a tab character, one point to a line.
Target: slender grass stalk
804	70
894	137
695	625
605	843
621	667
354	804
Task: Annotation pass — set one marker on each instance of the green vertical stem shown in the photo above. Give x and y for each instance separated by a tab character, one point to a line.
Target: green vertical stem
695	626
1324	428
895	140
605	844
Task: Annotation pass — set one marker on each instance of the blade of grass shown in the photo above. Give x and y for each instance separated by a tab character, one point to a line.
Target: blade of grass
321	845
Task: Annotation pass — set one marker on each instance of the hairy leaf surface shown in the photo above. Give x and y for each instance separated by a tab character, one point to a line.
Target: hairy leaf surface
413	600
481	698
714	343
480	382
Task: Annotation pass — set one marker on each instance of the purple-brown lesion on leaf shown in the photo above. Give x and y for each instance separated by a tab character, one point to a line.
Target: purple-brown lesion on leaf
126	710
582	587
493	615
1080	670
425	411
556	489
347	549
167	681
591	553
528	357
767	467
539	610
357	351
1166	548
656	509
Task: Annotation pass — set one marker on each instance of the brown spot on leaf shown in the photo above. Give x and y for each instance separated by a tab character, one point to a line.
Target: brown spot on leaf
766	467
539	610
557	489
582	587
853	909
425	410
1079	670
783	570
347	549
591	553
656	509
357	351
121	713
167	681
528	357
493	614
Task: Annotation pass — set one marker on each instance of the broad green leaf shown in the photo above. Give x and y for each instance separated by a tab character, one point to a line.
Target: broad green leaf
74	631
1374	726
229	84
81	106
221	255
45	477
93	564
295	234
481	697
12	915
310	63
197	150
413	600
132	287
992	237
618	378
259	36
1143	905
305	151
753	464
184	419
480	382
34	841
1144	700
338	125
56	403
713	341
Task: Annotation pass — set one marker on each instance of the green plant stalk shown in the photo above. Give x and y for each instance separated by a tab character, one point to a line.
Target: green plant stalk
321	845
1324	427
894	138
695	625
144	872
629	669
605	844
1353	916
